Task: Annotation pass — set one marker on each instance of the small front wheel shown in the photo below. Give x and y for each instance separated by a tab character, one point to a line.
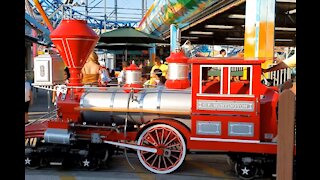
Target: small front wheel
246	171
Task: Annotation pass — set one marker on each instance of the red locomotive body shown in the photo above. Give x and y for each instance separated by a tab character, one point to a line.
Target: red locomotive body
232	108
220	112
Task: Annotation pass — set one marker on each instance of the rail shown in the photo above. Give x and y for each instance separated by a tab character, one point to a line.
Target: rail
280	76
48	88
49	115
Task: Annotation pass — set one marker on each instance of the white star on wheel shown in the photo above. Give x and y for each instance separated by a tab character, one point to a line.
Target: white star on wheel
27	161
86	163
245	171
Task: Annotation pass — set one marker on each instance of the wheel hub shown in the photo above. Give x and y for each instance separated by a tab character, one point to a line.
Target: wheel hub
32	162
246	171
86	163
27	161
167	153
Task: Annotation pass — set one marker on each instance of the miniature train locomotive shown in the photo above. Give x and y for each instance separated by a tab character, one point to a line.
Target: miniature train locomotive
212	112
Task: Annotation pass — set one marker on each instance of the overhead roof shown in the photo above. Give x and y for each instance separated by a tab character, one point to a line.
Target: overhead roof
232	30
34	40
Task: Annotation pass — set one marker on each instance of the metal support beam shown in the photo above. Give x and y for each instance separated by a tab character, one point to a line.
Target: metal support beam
259	30
105	15
146	6
142	9
37	24
174	37
86	9
116	9
152	54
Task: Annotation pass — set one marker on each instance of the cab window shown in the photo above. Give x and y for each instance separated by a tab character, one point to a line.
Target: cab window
211	77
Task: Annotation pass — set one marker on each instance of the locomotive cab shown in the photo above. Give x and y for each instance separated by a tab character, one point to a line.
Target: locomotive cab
233	112
227	98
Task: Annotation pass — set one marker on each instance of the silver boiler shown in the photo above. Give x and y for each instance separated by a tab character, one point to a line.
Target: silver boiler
147	100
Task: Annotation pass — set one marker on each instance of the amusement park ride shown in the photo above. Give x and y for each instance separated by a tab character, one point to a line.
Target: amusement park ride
163	124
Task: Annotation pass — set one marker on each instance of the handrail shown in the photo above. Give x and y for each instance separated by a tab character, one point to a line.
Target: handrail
103	109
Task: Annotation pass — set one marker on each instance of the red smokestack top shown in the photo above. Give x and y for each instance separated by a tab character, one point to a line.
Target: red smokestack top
74	40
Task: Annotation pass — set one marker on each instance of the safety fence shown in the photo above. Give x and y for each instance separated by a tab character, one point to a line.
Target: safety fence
277	78
280	76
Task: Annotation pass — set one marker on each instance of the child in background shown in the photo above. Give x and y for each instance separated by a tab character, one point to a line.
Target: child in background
66	76
159	80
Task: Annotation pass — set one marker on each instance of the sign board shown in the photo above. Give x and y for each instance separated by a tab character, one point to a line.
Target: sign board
221	105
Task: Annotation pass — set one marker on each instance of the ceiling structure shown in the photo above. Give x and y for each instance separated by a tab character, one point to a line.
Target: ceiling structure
202	27
225	25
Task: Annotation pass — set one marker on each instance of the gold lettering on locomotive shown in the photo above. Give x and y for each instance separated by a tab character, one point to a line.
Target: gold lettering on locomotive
225	105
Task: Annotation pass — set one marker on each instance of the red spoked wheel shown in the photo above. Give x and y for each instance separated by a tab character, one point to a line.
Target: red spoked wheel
171	148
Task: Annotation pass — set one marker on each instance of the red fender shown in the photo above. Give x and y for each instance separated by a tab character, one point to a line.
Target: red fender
183	129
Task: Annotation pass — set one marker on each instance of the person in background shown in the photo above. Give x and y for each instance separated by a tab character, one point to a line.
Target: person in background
91	71
241	53
283	64
27	98
108	72
113	77
158	65
140	65
122	75
189	73
287	63
112	74
145	79
222	53
66	76
160	80
93	74
188	49
104	77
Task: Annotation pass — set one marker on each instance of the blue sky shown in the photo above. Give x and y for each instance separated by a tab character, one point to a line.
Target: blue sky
127	9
